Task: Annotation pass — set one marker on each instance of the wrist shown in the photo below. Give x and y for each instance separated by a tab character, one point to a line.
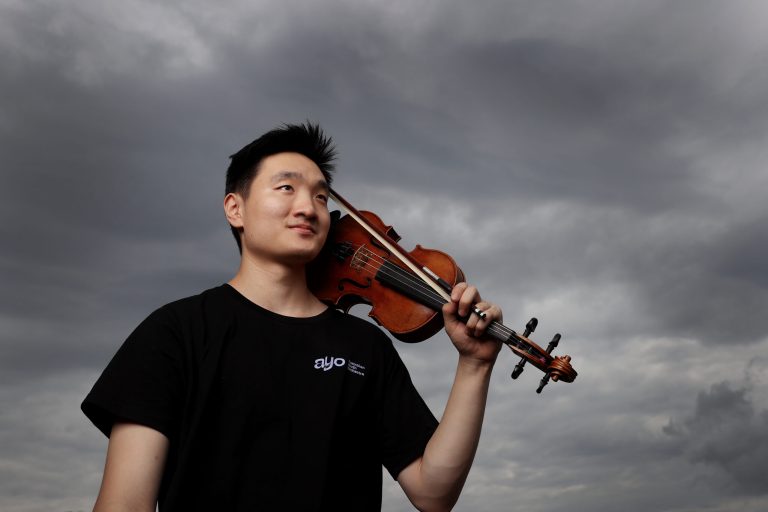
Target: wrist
473	365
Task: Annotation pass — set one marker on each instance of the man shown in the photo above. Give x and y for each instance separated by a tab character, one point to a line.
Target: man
256	396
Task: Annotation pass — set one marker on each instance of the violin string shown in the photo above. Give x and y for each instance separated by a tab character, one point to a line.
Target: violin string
495	327
502	332
418	287
400	275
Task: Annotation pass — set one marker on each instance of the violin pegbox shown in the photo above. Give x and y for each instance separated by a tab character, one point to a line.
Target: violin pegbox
559	367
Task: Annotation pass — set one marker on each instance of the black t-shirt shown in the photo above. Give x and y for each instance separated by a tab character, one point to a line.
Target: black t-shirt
264	411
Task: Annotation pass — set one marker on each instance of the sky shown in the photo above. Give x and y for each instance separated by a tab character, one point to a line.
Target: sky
600	165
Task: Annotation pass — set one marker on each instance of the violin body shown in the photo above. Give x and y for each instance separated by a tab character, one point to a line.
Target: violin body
355	268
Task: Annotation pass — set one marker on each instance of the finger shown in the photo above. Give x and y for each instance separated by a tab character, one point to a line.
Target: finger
491	313
449	313
476	325
480	328
483	309
457	290
471	323
469	297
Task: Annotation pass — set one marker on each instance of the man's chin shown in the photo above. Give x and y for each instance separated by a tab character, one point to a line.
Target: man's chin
303	257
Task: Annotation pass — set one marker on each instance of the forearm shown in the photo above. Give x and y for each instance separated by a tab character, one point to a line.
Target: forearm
448	456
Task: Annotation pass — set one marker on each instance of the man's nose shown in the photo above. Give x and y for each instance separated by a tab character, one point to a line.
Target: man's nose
305	205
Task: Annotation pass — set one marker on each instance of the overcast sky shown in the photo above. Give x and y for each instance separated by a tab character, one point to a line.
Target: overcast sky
598	164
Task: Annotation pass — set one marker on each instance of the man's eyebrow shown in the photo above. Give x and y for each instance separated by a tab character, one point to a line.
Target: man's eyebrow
286	175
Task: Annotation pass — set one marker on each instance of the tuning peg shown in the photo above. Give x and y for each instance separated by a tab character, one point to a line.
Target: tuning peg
544	381
529	328
552	344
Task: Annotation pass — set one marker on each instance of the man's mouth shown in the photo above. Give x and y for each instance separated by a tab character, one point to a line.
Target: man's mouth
304	228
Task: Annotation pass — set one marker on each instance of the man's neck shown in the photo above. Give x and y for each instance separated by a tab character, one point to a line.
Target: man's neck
279	288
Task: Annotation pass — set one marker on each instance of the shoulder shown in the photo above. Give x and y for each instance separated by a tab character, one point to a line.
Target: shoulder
207	298
178	322
213	300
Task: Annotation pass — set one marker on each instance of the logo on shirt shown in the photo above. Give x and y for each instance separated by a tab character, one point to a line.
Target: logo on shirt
328	363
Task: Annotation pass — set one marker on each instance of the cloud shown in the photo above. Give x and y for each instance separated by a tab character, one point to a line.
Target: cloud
88	42
599	165
726	431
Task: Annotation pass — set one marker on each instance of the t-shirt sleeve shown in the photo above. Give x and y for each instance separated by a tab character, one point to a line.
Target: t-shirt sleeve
406	422
143	382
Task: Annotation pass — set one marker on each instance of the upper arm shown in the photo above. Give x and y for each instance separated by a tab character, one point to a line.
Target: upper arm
134	468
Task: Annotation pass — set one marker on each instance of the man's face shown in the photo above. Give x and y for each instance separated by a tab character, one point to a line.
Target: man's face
285	218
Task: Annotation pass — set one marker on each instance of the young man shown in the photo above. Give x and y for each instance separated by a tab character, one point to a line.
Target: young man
256	396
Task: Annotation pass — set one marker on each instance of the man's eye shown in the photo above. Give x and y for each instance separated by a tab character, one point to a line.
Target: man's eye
285	187
323	198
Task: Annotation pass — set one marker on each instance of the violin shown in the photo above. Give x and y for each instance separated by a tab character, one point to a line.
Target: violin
362	263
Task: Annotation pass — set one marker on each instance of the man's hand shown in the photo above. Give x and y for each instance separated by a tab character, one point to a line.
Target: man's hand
469	336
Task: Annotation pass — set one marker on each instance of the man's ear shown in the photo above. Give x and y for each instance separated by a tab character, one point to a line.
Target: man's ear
233	209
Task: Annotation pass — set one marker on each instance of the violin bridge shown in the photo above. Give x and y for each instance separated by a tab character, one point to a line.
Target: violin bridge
360	259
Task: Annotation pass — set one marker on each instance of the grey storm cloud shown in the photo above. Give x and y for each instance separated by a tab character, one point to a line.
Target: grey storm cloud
598	165
726	430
